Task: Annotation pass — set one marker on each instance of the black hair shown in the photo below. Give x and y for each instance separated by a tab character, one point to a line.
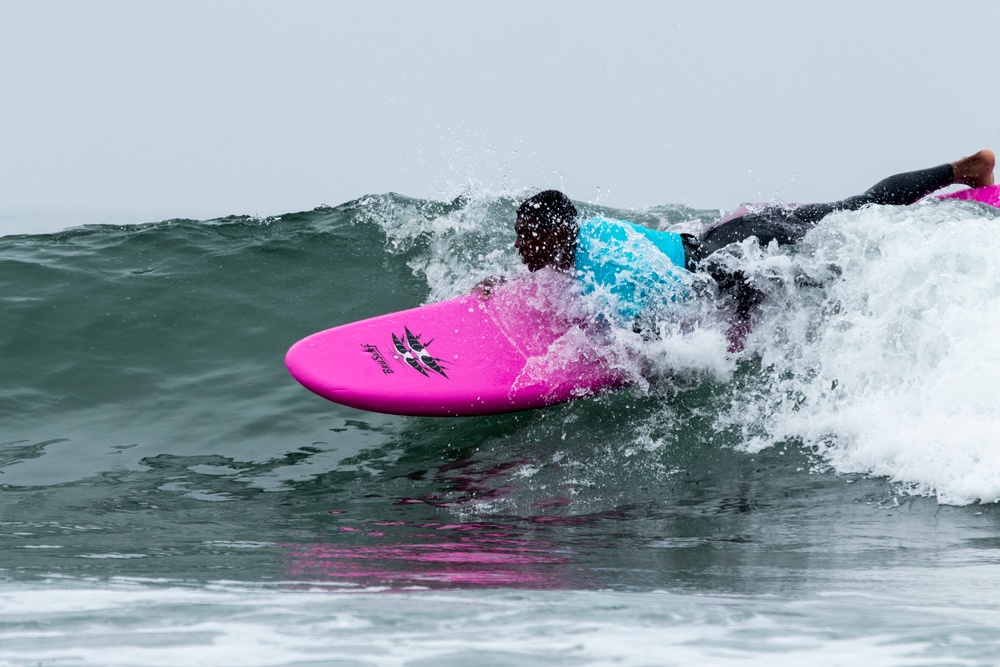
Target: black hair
549	206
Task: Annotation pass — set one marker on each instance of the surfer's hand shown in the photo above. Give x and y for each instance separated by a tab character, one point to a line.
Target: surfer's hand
486	285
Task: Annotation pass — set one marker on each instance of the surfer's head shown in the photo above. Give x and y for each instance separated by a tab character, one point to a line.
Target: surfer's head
546	230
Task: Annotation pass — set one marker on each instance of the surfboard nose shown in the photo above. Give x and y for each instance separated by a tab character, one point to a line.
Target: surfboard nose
304	360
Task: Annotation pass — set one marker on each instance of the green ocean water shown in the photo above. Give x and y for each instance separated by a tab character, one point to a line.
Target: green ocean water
160	469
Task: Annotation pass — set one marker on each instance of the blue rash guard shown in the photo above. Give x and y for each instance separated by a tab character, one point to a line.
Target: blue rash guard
629	267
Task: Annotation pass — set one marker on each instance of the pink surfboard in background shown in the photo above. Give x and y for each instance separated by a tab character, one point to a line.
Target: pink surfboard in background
515	350
989	195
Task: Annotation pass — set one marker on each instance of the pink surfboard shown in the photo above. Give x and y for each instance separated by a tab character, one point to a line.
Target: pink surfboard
989	195
520	348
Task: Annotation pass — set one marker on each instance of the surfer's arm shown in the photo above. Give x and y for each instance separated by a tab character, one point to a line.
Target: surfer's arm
485	286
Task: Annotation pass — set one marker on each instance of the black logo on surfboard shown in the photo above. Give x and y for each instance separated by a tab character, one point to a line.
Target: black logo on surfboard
414	353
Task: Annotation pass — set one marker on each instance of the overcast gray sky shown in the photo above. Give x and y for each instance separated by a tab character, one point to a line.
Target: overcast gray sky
149	110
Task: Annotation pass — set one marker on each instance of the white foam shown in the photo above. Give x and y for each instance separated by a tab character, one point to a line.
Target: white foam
893	368
116	623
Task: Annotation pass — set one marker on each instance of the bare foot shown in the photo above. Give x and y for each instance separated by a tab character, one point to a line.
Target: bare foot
976	171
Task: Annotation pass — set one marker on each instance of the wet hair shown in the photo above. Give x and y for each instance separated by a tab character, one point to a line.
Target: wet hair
549	207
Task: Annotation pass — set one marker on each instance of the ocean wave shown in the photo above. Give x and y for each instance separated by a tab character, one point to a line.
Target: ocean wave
873	352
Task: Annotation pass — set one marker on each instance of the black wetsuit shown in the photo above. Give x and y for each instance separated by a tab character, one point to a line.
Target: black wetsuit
788	225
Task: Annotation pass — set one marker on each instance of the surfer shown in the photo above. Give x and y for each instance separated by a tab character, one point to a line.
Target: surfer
599	250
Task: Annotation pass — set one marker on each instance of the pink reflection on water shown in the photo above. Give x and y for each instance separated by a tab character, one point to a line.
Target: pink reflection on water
397	554
490	558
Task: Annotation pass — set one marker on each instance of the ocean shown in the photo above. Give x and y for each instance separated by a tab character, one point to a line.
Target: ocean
170	495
